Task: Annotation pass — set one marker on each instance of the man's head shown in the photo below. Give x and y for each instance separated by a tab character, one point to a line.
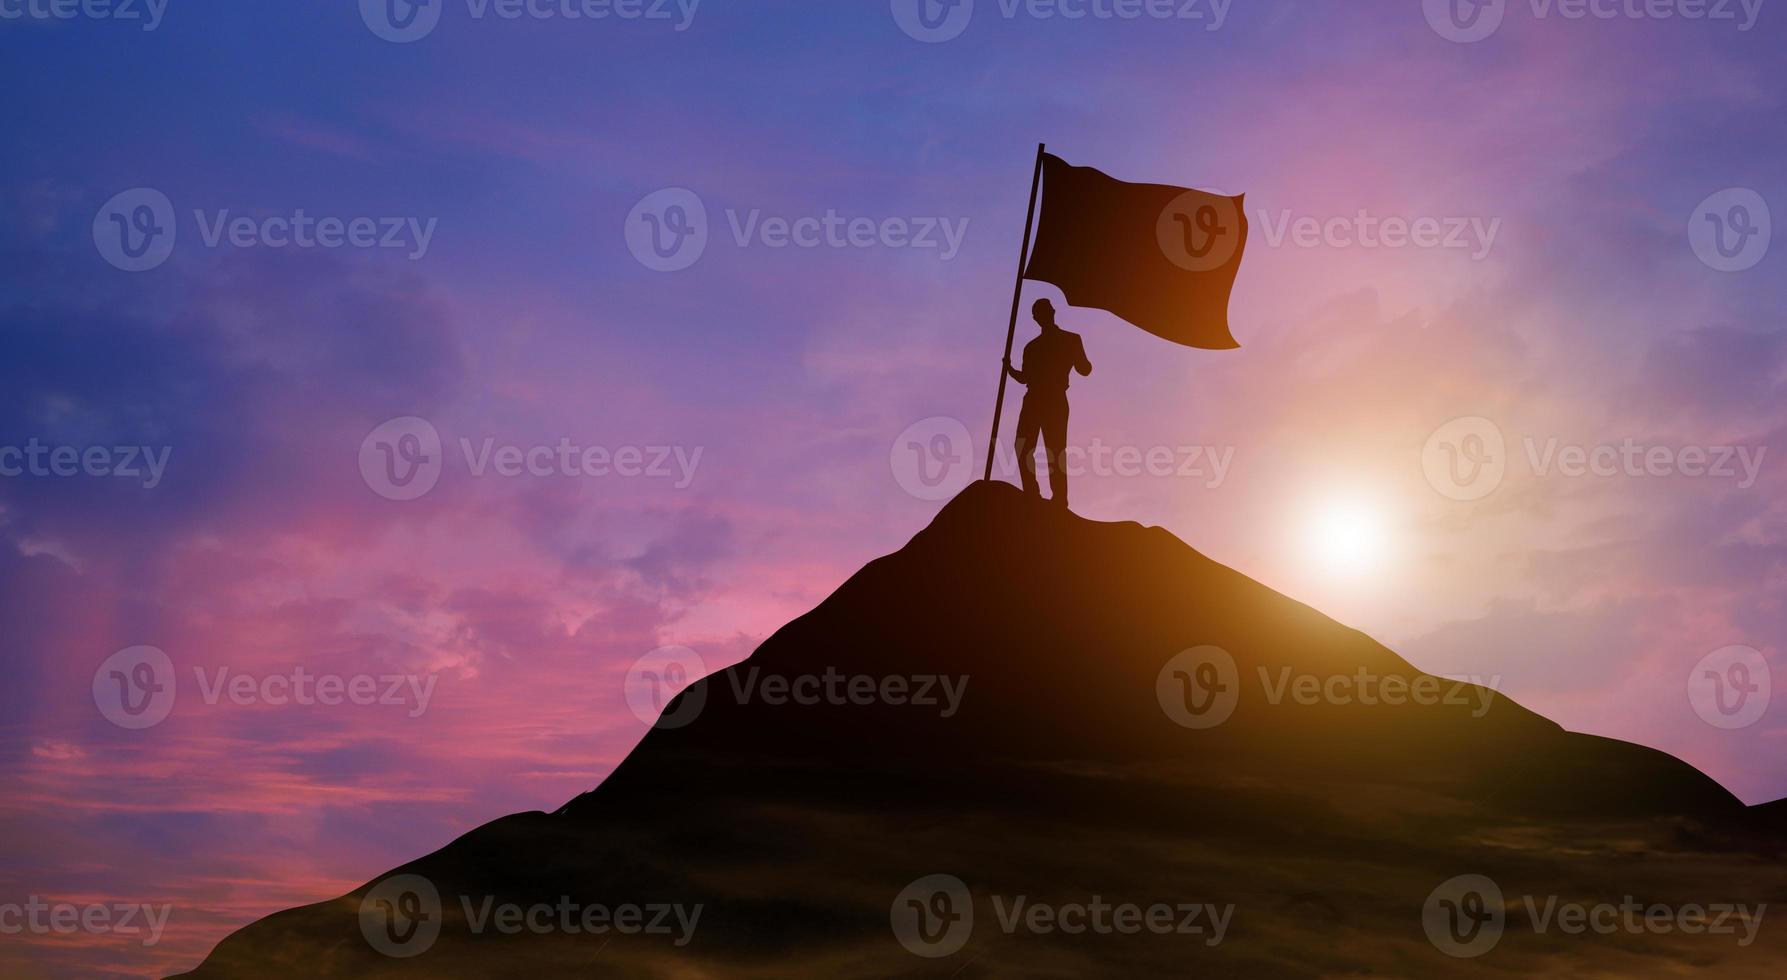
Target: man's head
1044	311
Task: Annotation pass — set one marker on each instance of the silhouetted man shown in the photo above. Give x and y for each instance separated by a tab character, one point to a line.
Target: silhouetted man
1049	361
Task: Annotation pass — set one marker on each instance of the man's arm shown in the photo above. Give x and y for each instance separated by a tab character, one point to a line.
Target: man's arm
1016	375
1083	365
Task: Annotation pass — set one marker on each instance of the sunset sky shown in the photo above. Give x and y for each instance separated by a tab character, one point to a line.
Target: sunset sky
1578	171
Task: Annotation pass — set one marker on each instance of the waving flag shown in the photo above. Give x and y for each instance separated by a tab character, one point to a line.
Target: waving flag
1164	258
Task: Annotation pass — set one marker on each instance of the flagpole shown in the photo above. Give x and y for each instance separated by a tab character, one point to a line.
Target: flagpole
1017	294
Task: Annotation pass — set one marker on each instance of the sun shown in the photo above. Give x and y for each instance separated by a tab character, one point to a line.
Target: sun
1347	537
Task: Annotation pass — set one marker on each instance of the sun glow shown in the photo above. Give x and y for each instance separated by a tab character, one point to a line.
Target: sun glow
1347	537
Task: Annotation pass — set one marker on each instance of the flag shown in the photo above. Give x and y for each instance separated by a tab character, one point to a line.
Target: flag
1164	258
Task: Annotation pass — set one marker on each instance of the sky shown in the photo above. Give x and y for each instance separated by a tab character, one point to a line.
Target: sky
1530	439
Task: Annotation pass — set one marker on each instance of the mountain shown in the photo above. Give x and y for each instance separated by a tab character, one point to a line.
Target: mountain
1142	763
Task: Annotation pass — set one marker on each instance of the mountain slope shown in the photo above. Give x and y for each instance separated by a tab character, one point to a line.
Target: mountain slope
1072	766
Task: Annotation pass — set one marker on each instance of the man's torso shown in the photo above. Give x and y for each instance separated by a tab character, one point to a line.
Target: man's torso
1049	360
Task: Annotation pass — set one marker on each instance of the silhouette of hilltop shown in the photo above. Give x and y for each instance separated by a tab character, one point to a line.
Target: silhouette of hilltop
1073	765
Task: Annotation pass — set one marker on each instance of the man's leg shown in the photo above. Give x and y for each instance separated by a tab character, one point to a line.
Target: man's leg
1054	439
1025	444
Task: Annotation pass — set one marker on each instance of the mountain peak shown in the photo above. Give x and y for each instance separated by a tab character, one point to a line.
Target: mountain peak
1013	682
